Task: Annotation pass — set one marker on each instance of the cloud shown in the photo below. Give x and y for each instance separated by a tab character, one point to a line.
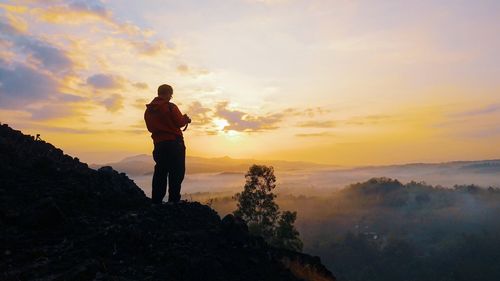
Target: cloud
43	53
268	2
51	111
492	131
207	119
74	12
41	127
308	112
471	129
318	124
105	81
367	120
83	130
21	85
148	48
140	103
357	120
244	122
50	57
50	49
89	6
320	134
315	111
478	123
492	108
32	78
8	29
141	124
186	70
6	53
199	114
27	89
140	85
95	12
77	13
113	103
70	98
182	68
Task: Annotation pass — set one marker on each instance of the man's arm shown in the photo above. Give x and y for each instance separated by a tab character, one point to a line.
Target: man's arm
179	119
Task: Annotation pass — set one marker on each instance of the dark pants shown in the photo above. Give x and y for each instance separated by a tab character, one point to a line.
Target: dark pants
170	158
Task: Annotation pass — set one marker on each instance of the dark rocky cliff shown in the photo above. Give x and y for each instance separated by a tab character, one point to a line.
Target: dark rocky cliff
60	220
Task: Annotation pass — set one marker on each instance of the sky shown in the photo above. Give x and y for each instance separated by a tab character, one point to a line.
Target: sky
337	82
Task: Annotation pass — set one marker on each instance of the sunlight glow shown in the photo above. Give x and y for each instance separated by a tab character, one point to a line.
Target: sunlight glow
322	81
232	134
220	124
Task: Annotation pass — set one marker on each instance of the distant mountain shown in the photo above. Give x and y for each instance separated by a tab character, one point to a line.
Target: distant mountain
481	172
492	165
296	177
143	164
60	220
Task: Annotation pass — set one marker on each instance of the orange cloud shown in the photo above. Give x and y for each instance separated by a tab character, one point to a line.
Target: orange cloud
314	135
186	70
113	103
105	81
140	103
318	124
245	122
140	85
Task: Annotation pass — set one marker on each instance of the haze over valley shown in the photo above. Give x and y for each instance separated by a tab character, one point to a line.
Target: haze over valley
360	220
226	175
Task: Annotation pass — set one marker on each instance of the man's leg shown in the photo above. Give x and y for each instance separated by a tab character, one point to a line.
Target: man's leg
177	171
160	173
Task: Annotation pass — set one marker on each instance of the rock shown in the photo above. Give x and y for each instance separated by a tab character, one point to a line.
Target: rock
235	229
46	214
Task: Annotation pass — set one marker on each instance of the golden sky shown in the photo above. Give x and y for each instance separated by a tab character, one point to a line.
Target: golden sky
339	82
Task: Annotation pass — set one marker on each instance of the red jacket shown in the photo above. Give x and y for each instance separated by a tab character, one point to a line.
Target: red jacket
163	120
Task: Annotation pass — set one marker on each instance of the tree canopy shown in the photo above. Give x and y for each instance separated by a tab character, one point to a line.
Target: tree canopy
257	207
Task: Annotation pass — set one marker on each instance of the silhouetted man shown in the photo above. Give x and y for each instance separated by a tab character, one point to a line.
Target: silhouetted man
164	120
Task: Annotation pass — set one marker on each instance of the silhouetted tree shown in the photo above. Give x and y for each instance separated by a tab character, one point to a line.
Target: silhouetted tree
256	203
257	207
286	235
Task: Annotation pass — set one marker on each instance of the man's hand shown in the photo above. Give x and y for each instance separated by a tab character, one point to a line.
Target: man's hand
186	117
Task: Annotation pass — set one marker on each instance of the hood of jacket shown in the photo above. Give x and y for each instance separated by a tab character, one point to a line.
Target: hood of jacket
157	103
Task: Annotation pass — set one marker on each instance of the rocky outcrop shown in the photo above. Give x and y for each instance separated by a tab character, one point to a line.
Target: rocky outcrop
60	220
303	266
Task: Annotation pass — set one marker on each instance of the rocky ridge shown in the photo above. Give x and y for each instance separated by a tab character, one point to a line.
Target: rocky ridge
61	220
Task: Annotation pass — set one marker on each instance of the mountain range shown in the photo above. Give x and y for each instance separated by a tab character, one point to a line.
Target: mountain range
228	172
143	164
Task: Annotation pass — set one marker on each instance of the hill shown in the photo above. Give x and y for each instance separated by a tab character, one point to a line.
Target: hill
143	164
61	220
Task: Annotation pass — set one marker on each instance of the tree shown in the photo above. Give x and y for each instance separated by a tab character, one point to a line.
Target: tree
286	236
257	207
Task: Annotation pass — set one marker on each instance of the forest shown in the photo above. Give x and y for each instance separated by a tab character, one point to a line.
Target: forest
382	229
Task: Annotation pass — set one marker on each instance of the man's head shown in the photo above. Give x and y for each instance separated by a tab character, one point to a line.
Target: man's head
165	91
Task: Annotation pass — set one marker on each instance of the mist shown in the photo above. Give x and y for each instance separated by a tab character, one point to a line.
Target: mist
360	220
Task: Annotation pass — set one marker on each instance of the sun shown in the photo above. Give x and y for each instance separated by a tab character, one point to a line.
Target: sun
220	124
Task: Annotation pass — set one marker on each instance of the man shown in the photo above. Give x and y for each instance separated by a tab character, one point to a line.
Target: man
164	120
